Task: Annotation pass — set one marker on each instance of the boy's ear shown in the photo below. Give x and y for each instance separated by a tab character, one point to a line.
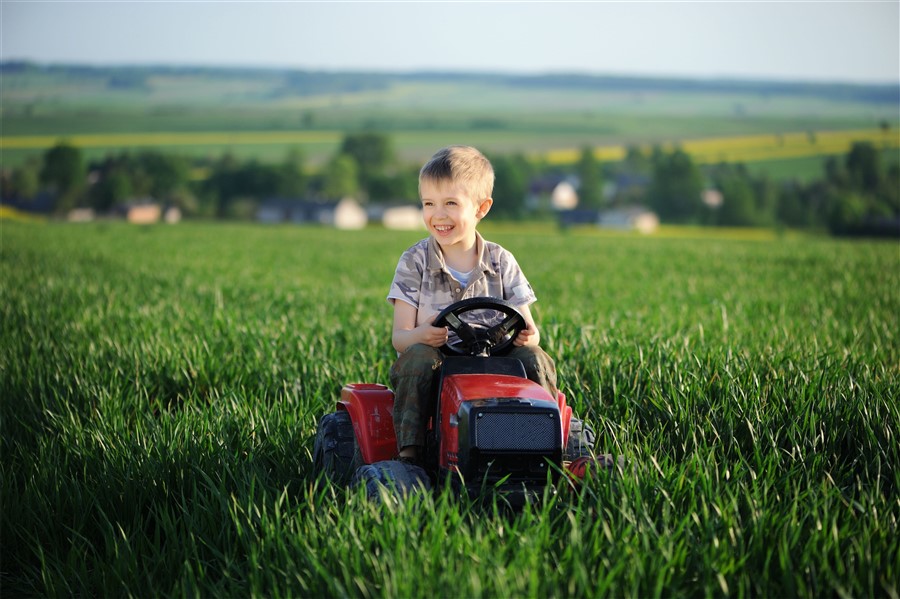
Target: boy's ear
484	207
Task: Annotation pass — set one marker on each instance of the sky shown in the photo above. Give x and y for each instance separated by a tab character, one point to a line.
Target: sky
854	42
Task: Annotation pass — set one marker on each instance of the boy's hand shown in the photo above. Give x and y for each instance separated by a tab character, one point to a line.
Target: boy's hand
528	336
432	335
405	332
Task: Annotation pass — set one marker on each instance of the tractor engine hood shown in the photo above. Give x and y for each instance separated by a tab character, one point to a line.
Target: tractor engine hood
497	426
468	387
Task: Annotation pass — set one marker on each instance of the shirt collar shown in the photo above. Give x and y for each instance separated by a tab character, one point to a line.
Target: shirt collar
435	259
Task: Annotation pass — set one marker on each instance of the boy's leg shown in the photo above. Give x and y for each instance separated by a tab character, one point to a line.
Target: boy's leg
412	376
539	366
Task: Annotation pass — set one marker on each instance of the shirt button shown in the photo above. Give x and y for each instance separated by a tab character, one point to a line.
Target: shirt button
457	290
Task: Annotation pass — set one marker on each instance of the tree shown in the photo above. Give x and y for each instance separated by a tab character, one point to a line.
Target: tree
863	164
254	180
166	174
24	181
393	187
863	199
231	180
340	177
766	194
890	188
63	172
112	188
590	191
847	211
746	201
632	175
511	175
791	209
738	207
127	176
637	162
373	154
293	179
676	186
835	173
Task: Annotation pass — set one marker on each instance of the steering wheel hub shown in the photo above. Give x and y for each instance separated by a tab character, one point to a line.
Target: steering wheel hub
476	339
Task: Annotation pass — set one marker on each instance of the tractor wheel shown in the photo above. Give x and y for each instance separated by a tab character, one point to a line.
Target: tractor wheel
581	440
336	452
401	480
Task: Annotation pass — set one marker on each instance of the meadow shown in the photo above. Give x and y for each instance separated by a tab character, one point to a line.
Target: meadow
261	114
160	389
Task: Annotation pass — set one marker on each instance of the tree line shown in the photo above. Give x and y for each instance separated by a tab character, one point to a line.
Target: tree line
857	193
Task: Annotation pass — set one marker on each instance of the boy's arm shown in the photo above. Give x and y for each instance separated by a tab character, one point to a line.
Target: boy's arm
531	335
406	333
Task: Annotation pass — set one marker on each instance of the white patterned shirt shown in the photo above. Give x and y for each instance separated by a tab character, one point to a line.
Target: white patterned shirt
423	280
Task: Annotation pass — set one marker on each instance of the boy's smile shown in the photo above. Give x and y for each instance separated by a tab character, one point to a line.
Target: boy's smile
451	214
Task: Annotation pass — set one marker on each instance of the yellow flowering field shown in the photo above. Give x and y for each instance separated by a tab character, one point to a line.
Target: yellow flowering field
751	148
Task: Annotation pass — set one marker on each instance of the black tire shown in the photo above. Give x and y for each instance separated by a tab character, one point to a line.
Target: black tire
335	452
581	440
400	479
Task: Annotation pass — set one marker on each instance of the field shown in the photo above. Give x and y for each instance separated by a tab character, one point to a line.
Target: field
161	387
263	114
742	148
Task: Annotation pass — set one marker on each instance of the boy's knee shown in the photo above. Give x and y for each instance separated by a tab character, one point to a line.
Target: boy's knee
532	354
539	366
416	359
420	351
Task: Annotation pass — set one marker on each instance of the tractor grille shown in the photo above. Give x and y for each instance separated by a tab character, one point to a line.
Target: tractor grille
518	431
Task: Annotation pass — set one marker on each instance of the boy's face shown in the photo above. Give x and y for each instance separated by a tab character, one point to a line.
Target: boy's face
451	214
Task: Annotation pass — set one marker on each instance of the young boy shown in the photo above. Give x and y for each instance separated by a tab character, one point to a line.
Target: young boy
454	263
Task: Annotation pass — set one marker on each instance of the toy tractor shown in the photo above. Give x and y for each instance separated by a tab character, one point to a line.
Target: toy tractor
491	427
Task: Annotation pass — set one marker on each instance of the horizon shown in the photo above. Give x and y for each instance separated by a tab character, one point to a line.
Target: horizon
176	66
830	42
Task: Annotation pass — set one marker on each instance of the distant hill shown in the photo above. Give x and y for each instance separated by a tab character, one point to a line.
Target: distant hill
287	82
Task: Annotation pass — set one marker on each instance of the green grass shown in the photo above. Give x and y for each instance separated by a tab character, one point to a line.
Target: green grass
160	388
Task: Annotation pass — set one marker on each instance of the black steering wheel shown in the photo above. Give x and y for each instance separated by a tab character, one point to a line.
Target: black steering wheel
476	339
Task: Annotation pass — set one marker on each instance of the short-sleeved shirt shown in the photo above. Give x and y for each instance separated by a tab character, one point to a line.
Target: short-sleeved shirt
423	280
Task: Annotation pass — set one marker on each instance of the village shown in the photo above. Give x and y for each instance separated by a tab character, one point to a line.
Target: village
350	214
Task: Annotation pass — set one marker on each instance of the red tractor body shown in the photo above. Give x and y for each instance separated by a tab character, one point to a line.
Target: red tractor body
371	406
488	425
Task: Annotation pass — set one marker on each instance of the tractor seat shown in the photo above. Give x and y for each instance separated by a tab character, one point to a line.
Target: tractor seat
480	365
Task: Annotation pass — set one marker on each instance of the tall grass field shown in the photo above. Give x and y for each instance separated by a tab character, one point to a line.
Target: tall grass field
161	386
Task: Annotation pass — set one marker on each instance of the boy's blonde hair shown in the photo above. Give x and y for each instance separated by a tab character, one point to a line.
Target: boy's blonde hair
462	165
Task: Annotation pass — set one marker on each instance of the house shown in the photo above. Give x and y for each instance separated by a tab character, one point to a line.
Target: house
554	190
578	216
564	196
275	210
632	218
80	215
400	217
143	213
629	218
346	214
44	203
712	198
172	215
